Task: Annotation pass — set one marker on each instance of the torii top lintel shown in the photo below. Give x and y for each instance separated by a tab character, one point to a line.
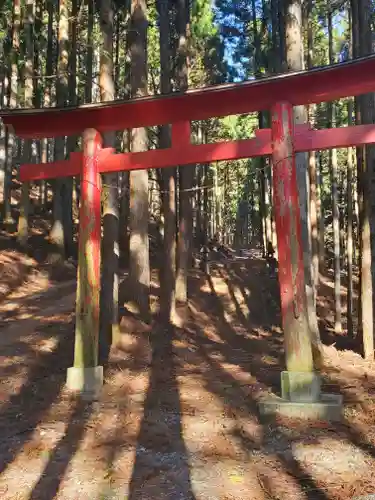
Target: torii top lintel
323	84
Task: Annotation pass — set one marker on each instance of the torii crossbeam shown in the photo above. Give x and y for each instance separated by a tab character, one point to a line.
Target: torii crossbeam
278	94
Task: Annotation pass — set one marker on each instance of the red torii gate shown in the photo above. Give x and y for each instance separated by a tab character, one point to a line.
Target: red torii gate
278	94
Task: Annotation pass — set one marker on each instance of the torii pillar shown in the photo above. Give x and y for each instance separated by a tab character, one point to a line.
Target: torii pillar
301	395
86	376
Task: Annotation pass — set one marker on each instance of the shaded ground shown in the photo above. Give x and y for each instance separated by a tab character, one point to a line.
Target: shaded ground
177	418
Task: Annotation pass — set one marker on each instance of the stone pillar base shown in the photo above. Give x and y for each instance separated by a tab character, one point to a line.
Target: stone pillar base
328	408
301	398
300	386
85	380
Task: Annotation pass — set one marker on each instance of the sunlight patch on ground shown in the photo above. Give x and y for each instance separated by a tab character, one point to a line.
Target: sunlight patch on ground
331	458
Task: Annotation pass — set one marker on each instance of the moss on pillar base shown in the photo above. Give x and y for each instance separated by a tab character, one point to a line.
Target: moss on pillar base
85	380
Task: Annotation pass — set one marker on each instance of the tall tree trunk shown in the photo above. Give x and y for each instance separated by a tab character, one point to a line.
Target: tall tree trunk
57	235
139	271
3	160
266	172
295	56
117	52
350	205
47	99
109	324
90	52
37	91
362	45
2	133
199	198
275	36
13	103
186	173
73	100
168	268
217	204
335	198
23	221
312	164
349	237
71	183
320	211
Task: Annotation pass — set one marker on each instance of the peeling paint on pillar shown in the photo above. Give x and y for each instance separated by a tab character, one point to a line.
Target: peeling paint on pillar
289	241
88	279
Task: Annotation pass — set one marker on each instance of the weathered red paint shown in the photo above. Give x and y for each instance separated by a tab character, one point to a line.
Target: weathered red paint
183	152
282	141
289	240
88	285
318	85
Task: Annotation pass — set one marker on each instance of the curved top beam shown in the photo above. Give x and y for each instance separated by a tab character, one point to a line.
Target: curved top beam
322	84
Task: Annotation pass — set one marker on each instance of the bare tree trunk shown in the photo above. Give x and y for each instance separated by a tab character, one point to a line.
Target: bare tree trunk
23	221
57	235
364	106
186	173
3	161
335	198
110	246
349	236
90	52
295	56
47	99
139	271
13	103
118	42
168	269
312	165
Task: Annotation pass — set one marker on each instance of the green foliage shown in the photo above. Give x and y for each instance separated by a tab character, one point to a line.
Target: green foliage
229	41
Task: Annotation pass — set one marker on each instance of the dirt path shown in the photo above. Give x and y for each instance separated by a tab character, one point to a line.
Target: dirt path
177	418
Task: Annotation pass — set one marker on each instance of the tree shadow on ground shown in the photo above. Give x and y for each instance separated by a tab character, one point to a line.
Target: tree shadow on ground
223	384
161	468
58	462
238	400
24	411
35	304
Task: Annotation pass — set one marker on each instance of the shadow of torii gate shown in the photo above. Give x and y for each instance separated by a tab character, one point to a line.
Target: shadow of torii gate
300	383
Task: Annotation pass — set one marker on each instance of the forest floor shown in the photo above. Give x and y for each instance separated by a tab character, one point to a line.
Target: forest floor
177	417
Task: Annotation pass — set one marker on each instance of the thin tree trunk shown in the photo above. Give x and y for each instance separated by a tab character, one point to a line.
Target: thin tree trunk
312	165
47	99
320	211
23	221
335	198
168	268
72	140
139	272
90	52
349	240
13	103
117	52
109	324
295	56
364	106
186	173
57	235
36	84
3	160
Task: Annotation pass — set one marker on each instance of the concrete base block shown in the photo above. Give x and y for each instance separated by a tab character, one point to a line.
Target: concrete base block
327	408
300	386
85	380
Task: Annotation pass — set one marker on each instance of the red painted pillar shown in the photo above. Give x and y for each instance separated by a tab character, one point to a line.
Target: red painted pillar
295	324
88	280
